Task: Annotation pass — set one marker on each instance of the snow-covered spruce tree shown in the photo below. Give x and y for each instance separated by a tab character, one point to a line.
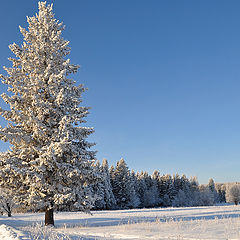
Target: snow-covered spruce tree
211	186
50	162
147	190
103	188
98	189
123	187
108	193
156	181
206	196
221	190
166	189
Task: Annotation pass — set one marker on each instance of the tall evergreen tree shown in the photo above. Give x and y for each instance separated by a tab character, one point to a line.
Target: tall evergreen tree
147	190
155	188
156	177
135	184
176	185
166	189
123	187
110	202
50	161
211	186
221	190
141	188
98	189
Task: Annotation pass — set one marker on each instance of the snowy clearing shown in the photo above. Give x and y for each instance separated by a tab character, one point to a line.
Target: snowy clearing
215	222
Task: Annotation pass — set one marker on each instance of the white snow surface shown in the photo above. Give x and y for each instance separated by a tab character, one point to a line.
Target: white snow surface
9	233
215	222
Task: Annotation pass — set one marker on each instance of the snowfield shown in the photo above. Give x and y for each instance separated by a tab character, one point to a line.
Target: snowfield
215	222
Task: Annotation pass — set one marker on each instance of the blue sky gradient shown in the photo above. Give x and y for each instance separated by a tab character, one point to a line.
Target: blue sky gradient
163	79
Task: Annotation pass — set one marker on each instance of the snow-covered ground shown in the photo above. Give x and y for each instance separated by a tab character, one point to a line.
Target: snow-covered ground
216	222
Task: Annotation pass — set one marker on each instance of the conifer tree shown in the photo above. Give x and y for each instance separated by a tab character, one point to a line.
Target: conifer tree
110	202
144	190
103	189
166	189
123	187
156	181
211	186
141	188
176	185
221	190
99	189
50	161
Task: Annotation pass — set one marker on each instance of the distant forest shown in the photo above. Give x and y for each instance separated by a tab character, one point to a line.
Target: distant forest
121	188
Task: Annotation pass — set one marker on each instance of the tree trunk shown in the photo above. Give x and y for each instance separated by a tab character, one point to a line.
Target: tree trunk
9	211
49	220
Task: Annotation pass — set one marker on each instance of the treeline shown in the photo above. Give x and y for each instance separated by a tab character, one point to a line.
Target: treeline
121	188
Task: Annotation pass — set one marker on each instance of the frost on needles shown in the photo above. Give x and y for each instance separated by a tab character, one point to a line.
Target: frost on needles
50	161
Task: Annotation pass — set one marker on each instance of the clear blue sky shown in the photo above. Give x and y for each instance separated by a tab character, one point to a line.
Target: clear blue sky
163	79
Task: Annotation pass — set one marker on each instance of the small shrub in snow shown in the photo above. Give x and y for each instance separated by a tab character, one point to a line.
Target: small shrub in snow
41	232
